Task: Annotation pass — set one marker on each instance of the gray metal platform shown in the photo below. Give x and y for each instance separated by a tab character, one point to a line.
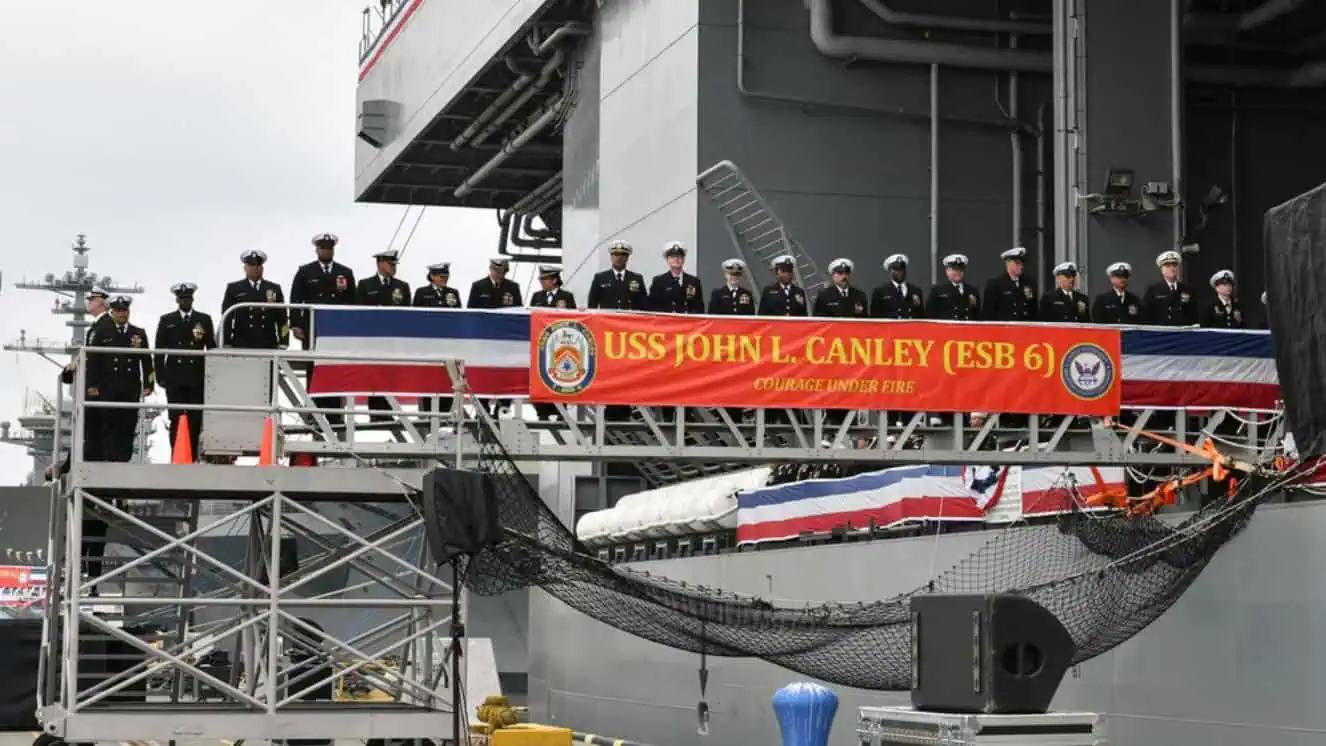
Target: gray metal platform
218	482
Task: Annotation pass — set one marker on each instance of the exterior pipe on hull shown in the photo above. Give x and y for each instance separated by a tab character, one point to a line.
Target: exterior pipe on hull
1312	74
545	76
1015	142
934	174
914	52
898	18
1176	116
917	117
1041	264
1061	152
556	37
532	130
1208	25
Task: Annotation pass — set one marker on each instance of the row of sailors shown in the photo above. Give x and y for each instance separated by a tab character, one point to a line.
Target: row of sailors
1007	297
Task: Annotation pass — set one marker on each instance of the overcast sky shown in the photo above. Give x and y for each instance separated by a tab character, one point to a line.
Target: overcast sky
176	134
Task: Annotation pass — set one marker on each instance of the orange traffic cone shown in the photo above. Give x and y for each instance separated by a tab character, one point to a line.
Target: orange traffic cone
183	451
267	451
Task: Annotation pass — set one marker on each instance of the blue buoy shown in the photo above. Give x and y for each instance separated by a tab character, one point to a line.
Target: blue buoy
805	713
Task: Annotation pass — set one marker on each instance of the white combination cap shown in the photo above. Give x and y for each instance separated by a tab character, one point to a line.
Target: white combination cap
1119	269
1017	252
325	238
842	265
783	260
1065	268
390	255
1223	275
499	261
898	259
1168	257
674	248
253	256
183	288
734	266
955	260
620	247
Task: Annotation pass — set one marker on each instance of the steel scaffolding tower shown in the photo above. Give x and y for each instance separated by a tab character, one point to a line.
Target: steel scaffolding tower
288	640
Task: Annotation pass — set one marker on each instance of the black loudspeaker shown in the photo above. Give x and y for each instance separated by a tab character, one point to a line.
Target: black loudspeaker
20	654
460	513
995	653
287	560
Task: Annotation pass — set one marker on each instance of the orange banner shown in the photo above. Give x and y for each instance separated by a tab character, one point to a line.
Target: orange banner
730	361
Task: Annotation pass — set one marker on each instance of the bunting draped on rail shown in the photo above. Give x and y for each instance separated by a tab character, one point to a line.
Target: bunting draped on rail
919	365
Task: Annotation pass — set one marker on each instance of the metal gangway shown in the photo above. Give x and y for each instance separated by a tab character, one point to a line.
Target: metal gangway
289	639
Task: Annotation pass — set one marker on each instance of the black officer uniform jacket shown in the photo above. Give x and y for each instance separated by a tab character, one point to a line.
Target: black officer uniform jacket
432	296
668	294
888	301
254	328
382	291
1214	315
729	301
333	286
119	377
1112	308
626	294
1007	299
558	298
832	302
484	294
67	375
777	300
1065	307
174	333
946	303
1163	307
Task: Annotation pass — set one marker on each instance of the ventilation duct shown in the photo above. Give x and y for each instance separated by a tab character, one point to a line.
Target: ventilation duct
374	116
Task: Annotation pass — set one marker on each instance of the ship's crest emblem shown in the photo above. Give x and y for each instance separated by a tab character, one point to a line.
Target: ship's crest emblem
568	358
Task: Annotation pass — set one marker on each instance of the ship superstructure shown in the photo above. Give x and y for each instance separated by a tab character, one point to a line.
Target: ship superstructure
36	429
1091	132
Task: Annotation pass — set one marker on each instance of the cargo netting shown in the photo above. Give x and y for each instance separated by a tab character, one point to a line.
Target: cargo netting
1104	576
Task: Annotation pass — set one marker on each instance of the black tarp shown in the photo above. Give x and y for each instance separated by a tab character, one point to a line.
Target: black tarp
1295	244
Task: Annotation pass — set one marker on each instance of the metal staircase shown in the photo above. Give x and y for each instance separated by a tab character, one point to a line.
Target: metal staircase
756	232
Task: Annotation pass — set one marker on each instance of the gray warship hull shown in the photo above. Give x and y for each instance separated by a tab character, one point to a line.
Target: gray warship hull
1236	661
874	127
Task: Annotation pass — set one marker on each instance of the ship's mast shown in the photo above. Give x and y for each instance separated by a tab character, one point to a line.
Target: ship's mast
36	431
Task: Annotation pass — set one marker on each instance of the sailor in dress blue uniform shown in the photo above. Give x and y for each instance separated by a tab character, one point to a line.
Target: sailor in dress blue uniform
783	297
1118	305
840	299
734	298
956	299
675	291
184	376
1224	311
1065	303
897	298
1010	296
254	328
1169	302
618	288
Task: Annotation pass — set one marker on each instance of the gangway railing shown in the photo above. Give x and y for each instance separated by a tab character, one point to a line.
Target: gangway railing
676	443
